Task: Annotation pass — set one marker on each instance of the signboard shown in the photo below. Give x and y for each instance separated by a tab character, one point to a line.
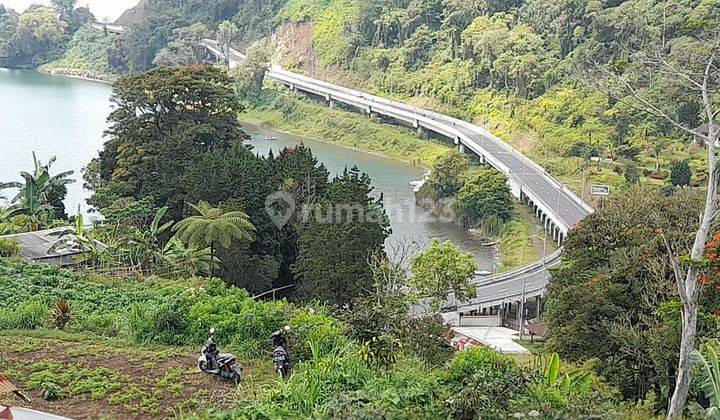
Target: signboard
600	190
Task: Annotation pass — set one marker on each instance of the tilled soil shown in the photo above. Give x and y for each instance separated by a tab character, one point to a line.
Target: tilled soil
141	383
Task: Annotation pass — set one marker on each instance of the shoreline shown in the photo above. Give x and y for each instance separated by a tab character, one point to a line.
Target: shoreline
76	74
260	126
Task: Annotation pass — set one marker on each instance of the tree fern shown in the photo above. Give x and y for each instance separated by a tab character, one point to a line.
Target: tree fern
213	227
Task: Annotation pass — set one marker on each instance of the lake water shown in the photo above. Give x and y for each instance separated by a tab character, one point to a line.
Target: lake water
56	116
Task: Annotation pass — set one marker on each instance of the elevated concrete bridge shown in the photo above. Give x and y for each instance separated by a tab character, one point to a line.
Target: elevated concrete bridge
558	208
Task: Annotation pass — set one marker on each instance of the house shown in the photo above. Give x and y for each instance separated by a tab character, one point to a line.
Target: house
37	247
704	129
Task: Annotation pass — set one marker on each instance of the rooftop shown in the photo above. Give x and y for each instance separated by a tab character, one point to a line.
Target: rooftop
35	246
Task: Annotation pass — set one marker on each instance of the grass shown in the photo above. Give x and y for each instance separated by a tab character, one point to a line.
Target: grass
303	117
518	246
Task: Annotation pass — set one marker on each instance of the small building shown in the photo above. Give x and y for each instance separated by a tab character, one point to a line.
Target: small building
36	247
704	129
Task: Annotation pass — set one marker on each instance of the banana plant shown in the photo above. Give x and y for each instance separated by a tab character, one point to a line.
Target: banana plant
33	198
76	239
575	381
711	384
6	185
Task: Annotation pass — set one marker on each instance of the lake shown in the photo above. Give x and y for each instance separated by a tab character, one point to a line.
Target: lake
62	117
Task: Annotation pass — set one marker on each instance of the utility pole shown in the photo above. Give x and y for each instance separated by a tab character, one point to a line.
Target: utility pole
521	308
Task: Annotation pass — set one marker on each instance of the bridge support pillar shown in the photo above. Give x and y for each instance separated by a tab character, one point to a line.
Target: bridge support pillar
538	304
420	130
461	148
520	311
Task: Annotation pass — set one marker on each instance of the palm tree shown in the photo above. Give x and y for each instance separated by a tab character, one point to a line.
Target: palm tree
213	226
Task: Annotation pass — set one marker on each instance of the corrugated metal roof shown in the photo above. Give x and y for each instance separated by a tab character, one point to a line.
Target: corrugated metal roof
6	387
35	245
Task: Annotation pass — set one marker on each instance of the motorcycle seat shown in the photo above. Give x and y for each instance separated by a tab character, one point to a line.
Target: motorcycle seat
224	356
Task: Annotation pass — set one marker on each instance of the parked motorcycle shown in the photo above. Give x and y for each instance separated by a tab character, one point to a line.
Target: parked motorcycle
222	364
281	353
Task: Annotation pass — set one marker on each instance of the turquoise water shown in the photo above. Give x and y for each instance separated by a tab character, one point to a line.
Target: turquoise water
56	116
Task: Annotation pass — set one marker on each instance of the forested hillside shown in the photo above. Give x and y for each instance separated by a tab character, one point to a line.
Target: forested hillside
525	69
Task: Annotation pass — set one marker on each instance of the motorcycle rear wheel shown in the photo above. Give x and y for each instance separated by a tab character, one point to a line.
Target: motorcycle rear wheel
236	375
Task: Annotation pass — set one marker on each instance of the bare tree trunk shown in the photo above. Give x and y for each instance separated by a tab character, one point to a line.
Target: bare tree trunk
684	377
689	289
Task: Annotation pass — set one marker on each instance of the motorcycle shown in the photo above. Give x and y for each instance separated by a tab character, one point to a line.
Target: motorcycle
281	353
222	364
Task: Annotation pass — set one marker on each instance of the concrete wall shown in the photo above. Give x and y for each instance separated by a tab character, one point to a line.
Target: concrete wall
481	321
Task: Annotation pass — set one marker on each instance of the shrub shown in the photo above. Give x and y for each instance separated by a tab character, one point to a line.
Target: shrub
237	319
479	359
51	391
27	315
482	381
106	325
317	327
9	247
61	313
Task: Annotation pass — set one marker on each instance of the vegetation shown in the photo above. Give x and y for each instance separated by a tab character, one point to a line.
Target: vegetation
614	299
443	269
39	201
88	51
333	376
213	227
287	112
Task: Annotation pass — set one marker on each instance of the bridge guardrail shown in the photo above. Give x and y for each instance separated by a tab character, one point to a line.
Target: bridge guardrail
436	115
431	118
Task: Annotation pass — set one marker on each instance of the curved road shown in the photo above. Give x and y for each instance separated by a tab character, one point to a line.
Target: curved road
554	203
558	207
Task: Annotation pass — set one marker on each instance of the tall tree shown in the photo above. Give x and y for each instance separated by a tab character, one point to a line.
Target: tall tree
185	48
164	121
346	227
614	298
486	198
227	33
441	270
690	65
680	173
